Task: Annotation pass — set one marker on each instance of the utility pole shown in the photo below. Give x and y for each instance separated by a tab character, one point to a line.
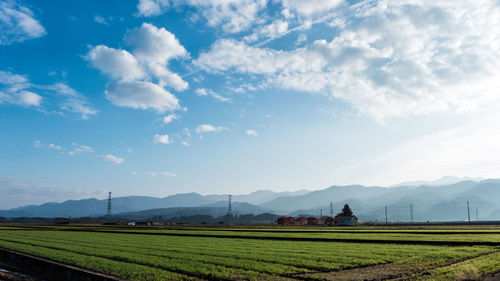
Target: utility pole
411	213
477	215
468	211
271	217
331	209
386	215
321	215
109	205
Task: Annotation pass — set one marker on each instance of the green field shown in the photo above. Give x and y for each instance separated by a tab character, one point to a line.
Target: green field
262	254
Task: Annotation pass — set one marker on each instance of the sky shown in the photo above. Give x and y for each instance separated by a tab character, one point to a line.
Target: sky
158	97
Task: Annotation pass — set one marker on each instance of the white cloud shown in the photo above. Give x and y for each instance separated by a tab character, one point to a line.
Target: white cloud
141	95
165	174
161	139
18	23
154	45
101	20
231	15
309	8
39	144
208	92
111	158
16	89
23	98
389	58
271	30
251	133
169	118
119	64
185	143
140	77
79	148
207	128
152	7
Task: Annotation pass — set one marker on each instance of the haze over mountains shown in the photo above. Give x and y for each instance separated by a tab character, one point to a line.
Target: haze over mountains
444	202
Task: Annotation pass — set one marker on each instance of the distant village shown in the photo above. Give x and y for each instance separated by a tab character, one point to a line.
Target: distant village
344	218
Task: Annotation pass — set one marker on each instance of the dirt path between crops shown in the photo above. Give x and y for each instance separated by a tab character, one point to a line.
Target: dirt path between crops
388	271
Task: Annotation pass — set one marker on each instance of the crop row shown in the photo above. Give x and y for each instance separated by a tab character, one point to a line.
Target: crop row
234	258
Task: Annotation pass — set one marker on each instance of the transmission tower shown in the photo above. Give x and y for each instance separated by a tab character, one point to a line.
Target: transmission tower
411	213
109	205
229	210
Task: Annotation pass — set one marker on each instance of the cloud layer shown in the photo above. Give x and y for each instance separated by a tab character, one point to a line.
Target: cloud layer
388	58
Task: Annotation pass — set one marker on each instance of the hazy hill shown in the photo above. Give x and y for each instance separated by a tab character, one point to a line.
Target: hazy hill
434	203
95	207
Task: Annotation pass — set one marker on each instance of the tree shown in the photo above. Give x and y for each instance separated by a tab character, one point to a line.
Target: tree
346	211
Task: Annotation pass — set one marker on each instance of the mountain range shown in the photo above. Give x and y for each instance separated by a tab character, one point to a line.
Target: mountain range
427	202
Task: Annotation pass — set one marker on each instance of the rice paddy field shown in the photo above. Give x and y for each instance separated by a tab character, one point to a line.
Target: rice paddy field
320	253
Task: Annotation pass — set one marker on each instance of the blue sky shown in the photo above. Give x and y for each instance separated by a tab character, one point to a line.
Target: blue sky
157	97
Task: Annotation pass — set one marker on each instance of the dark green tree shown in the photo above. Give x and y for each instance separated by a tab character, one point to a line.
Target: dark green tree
346	211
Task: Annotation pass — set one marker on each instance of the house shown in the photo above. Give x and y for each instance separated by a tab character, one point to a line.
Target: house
282	221
132	223
142	223
290	220
329	220
312	220
301	220
346	220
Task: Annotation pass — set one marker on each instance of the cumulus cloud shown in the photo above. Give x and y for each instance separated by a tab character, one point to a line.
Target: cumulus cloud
111	158
154	45
140	77
252	133
119	64
231	15
17	90
149	8
161	139
169	118
208	92
389	58
18	23
165	174
207	128
141	95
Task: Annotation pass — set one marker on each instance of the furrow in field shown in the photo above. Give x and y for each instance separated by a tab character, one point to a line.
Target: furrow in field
190	268
129	271
360	257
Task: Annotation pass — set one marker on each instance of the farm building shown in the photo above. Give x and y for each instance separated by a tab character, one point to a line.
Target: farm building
285	220
301	220
312	220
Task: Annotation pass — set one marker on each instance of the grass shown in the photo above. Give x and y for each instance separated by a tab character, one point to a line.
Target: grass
134	255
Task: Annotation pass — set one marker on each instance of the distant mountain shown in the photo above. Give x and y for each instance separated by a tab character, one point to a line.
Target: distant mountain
446	202
213	210
95	207
441	181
